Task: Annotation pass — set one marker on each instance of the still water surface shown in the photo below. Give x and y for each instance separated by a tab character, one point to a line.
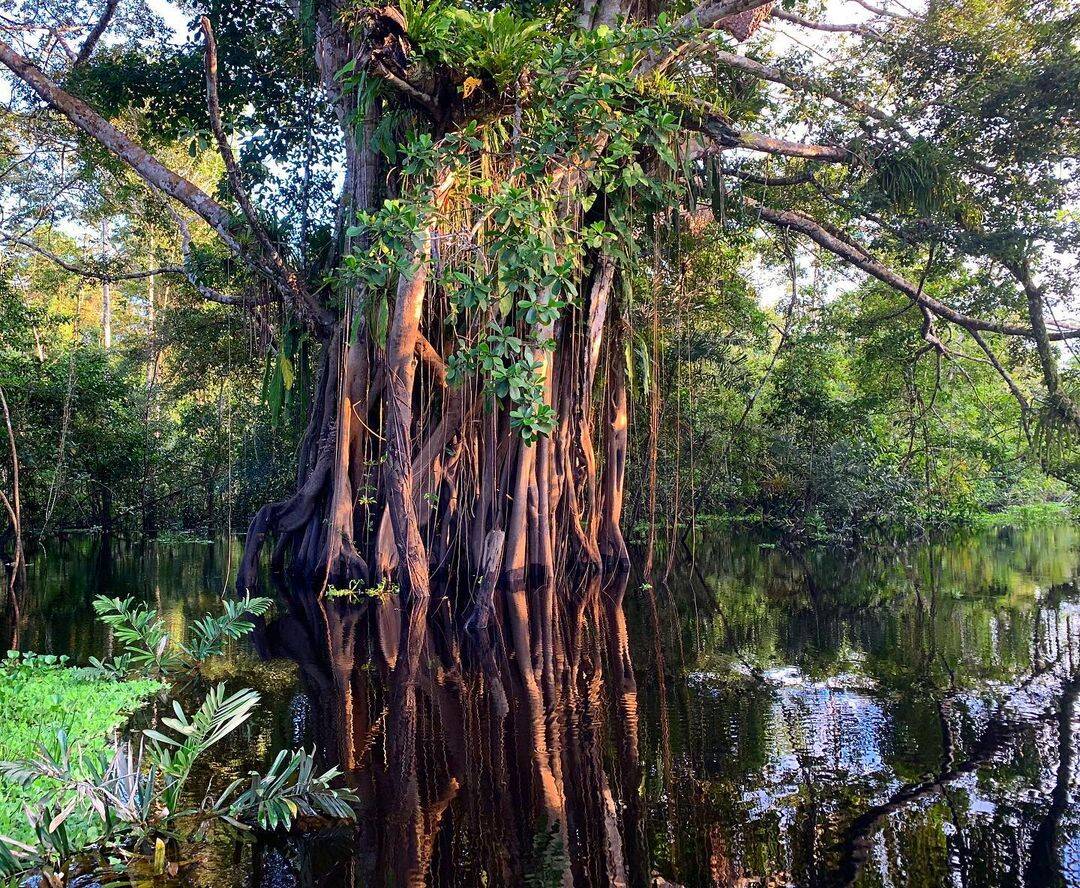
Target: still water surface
901	718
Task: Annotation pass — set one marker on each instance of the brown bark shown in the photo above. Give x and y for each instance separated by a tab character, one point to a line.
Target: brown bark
413	565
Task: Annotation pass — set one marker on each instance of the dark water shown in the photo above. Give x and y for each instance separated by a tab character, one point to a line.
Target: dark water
903	718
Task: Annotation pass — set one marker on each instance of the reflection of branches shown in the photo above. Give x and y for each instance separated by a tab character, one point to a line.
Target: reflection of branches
729	633
806	770
1042	863
854	847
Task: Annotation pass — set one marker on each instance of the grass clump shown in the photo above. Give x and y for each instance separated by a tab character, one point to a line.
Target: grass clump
42	697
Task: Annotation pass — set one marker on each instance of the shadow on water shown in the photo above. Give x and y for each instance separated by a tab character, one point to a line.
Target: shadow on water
906	717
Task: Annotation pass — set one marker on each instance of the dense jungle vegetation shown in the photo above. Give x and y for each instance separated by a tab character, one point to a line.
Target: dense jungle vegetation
817	413
444	302
783	390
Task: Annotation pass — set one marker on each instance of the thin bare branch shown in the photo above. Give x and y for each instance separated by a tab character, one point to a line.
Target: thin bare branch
285	274
803	22
799	82
82	270
880	10
208	293
755	178
1017	393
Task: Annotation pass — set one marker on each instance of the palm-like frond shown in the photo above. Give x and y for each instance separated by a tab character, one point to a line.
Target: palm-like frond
289	788
217	717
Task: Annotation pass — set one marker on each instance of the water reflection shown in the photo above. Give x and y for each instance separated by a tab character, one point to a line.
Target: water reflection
903	718
485	789
843	721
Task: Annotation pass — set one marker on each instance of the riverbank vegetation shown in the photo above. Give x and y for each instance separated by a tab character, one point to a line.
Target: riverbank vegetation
81	789
44	701
813	433
831	408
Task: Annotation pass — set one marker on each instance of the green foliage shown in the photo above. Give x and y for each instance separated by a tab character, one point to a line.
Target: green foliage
290	787
146	643
128	797
521	265
47	706
356	591
493	43
917	178
174	756
68	786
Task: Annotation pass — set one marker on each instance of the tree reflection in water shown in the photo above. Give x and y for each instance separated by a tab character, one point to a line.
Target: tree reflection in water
480	815
905	717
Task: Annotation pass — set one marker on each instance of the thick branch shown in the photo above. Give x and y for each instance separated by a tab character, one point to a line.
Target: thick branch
697	23
720	130
857	257
402	85
1047	357
709	14
148	167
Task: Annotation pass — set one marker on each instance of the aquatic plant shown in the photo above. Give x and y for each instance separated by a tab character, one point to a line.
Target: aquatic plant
45	703
68	789
146	642
133	797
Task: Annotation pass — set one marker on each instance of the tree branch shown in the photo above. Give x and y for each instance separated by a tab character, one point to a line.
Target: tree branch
148	167
862	260
697	22
712	12
82	270
795	19
879	10
208	293
796	82
95	35
282	270
720	130
1021	270
403	86
1017	393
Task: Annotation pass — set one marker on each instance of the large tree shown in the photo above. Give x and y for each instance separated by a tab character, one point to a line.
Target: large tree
453	201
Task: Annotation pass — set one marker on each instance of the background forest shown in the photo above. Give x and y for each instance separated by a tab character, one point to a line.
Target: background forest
786	394
768	382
